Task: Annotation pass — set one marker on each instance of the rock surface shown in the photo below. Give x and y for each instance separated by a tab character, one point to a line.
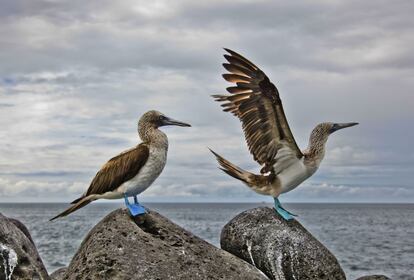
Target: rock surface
119	248
23	228
374	277
281	249
19	258
58	274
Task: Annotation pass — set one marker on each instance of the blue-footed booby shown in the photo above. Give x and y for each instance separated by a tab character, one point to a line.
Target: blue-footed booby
256	102
133	171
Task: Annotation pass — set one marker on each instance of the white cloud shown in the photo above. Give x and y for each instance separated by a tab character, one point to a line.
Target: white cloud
30	188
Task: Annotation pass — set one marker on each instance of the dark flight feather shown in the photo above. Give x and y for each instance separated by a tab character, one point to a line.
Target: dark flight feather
255	101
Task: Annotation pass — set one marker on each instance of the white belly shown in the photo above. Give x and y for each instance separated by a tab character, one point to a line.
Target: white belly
294	175
148	173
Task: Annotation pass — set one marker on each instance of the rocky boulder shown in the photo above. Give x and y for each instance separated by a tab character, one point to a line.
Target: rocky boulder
19	258
281	249
58	274
374	277
120	247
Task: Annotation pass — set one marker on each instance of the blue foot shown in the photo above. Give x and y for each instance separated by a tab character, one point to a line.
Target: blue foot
283	212
135	209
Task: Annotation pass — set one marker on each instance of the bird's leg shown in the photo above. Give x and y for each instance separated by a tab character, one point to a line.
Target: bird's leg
135	209
282	212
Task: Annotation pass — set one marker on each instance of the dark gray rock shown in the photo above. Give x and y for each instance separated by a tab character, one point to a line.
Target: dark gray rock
22	227
19	258
374	277
281	249
120	248
58	274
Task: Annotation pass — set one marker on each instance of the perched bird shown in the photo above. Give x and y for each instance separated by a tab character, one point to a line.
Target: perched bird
256	102
133	171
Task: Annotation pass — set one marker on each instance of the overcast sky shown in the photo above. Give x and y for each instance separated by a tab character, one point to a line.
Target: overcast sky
75	76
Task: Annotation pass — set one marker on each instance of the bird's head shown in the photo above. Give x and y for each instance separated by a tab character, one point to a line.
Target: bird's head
322	131
156	119
320	135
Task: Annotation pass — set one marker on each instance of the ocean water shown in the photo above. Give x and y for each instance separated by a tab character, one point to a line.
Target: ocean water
366	238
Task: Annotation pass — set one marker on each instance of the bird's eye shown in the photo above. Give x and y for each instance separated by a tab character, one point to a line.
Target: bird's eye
161	118
333	128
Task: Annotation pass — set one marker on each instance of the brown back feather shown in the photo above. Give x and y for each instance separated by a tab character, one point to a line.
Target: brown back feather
118	170
113	174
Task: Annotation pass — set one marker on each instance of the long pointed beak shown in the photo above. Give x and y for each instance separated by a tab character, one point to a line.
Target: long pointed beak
169	121
339	126
345	125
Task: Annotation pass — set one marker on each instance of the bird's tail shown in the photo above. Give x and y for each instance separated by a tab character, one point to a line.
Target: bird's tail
258	183
79	204
231	169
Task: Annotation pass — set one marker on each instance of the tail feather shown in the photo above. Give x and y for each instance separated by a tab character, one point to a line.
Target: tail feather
231	169
79	204
77	200
263	184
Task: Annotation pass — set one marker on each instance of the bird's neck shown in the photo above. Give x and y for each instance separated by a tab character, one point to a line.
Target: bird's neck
153	136
315	152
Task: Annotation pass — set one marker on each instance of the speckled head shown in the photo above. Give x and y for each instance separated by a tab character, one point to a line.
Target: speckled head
318	138
323	130
156	119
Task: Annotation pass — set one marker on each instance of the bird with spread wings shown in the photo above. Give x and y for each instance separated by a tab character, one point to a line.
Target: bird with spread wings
255	100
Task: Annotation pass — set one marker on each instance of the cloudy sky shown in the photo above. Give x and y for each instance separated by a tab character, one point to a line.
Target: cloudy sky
75	76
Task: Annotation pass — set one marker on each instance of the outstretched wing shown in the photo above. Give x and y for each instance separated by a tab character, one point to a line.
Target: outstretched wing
256	102
118	170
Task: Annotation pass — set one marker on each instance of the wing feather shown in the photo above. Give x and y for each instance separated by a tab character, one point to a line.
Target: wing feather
255	100
118	170
234	78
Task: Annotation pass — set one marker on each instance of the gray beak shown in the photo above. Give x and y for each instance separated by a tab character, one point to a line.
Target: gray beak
169	121
338	126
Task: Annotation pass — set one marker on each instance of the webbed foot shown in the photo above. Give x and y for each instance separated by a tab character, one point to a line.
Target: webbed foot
282	211
135	209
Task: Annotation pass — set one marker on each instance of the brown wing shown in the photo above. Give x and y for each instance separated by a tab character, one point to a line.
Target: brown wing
256	102
119	169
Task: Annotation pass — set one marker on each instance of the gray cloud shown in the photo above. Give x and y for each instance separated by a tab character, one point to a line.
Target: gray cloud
73	82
